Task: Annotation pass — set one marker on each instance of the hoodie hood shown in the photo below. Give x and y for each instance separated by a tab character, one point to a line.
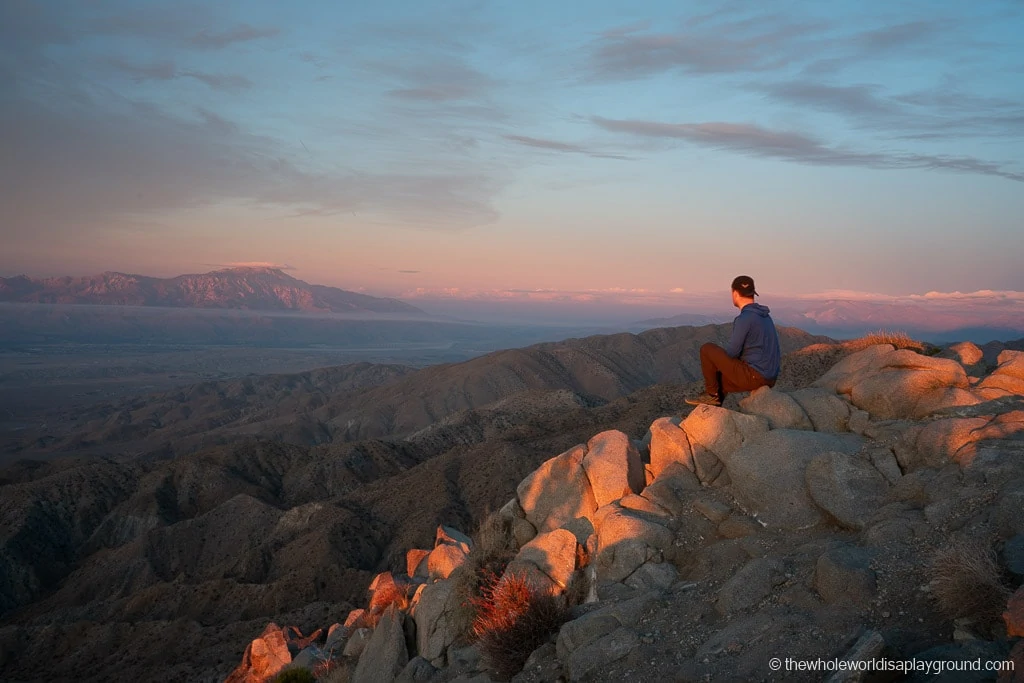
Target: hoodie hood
757	309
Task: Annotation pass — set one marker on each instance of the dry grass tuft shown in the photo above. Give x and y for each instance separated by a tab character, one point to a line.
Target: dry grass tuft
340	674
327	663
513	619
494	537
901	340
968	582
494	547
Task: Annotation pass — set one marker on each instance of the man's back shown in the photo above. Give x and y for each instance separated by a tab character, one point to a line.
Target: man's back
752	358
755	340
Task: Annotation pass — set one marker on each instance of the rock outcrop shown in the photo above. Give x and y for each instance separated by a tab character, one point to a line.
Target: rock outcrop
558	492
1007	379
899	384
613	467
769	475
386	653
785	518
264	657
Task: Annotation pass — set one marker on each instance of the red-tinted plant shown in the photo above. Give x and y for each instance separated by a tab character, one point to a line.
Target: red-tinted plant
513	618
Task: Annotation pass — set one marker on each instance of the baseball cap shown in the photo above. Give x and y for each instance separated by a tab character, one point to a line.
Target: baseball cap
744	284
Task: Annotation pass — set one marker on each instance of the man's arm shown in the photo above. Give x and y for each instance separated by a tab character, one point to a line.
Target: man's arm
740	327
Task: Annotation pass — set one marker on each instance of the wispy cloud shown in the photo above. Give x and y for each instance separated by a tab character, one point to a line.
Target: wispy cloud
78	159
556	146
216	40
854	100
756	141
982	294
166	71
217	123
157	71
940	112
899	36
80	166
219	81
744	44
625	30
635	55
440	92
846	295
438	78
317	60
1011	298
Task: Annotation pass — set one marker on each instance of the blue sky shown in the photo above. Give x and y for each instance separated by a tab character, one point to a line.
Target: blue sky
474	149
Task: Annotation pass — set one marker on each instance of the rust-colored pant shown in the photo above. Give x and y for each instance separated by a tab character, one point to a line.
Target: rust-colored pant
723	374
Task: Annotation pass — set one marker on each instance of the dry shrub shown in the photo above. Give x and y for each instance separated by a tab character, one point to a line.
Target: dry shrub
494	537
513	619
340	674
295	676
968	582
326	665
901	340
493	548
801	368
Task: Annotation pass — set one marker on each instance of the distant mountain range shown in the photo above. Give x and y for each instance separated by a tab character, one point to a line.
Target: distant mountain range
261	289
919	317
688	319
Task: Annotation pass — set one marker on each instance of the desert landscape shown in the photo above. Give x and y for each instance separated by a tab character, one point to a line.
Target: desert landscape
68	344
542	342
210	511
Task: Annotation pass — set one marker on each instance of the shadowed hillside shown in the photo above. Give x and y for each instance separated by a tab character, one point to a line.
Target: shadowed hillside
320	407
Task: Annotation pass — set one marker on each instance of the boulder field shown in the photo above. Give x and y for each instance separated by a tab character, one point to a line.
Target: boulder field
806	524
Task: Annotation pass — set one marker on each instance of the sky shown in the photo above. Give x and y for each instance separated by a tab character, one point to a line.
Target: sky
624	153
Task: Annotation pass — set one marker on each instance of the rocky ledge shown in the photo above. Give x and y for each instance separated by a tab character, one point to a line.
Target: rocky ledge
877	513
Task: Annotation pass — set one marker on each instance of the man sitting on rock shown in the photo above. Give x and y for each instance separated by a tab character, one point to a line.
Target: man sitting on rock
751	359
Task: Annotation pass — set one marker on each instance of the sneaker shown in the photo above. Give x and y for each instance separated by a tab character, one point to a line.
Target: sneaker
705	399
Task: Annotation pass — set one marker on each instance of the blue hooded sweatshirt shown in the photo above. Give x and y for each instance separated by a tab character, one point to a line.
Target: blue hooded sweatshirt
755	341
